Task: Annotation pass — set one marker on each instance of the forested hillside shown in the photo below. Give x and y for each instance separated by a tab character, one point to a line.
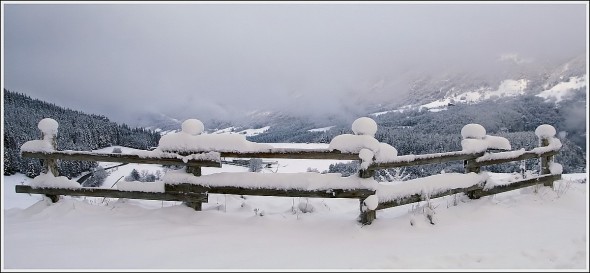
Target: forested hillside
422	131
77	131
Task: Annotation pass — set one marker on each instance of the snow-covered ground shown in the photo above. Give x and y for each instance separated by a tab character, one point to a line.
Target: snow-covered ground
521	229
563	89
246	132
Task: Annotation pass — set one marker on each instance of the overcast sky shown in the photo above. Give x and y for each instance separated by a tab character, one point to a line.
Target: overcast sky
204	60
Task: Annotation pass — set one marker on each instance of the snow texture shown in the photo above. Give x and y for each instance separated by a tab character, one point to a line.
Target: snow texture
555	168
192	127
366	156
158	153
371	203
48	126
411	157
364	126
385	153
545	131
46	180
183	142
473	130
563	89
428	185
554	145
254	132
306	207
501	155
157	186
43	146
246	132
496	142
348	143
281	181
471	145
323	129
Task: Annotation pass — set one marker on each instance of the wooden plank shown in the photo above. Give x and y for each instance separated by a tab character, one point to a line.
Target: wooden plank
333	193
287	153
124	158
526	155
296	154
366	173
425	159
113	193
542	179
198	206
418	197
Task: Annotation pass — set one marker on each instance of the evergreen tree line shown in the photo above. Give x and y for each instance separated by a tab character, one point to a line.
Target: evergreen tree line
77	131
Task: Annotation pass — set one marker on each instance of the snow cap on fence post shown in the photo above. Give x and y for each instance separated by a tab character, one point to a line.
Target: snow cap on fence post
473	130
473	136
545	131
193	127
366	157
364	126
48	127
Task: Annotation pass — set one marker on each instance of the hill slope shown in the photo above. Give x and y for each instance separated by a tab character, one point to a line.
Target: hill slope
77	131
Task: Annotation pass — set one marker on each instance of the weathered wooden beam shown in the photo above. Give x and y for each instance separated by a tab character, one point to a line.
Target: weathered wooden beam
53	198
115	157
113	193
196	171
366	173
287	153
198	206
296	154
526	155
334	193
475	192
419	197
542	179
425	159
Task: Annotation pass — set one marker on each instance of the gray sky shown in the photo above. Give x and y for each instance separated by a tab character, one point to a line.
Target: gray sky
220	60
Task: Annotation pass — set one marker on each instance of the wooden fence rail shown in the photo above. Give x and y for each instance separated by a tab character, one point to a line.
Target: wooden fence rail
116	157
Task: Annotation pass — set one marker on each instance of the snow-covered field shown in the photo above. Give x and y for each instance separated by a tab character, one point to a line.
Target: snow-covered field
522	229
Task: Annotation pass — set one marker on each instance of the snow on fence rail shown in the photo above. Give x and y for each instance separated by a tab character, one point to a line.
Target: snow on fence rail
190	149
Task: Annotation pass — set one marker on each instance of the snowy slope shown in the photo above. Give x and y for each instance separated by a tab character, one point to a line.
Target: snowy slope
564	88
522	229
246	132
434	91
323	129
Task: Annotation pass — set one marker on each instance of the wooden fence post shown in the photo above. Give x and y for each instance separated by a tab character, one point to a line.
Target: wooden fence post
472	131
544	161
196	171
50	164
471	166
367	216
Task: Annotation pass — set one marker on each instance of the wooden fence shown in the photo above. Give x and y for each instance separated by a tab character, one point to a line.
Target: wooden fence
194	195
